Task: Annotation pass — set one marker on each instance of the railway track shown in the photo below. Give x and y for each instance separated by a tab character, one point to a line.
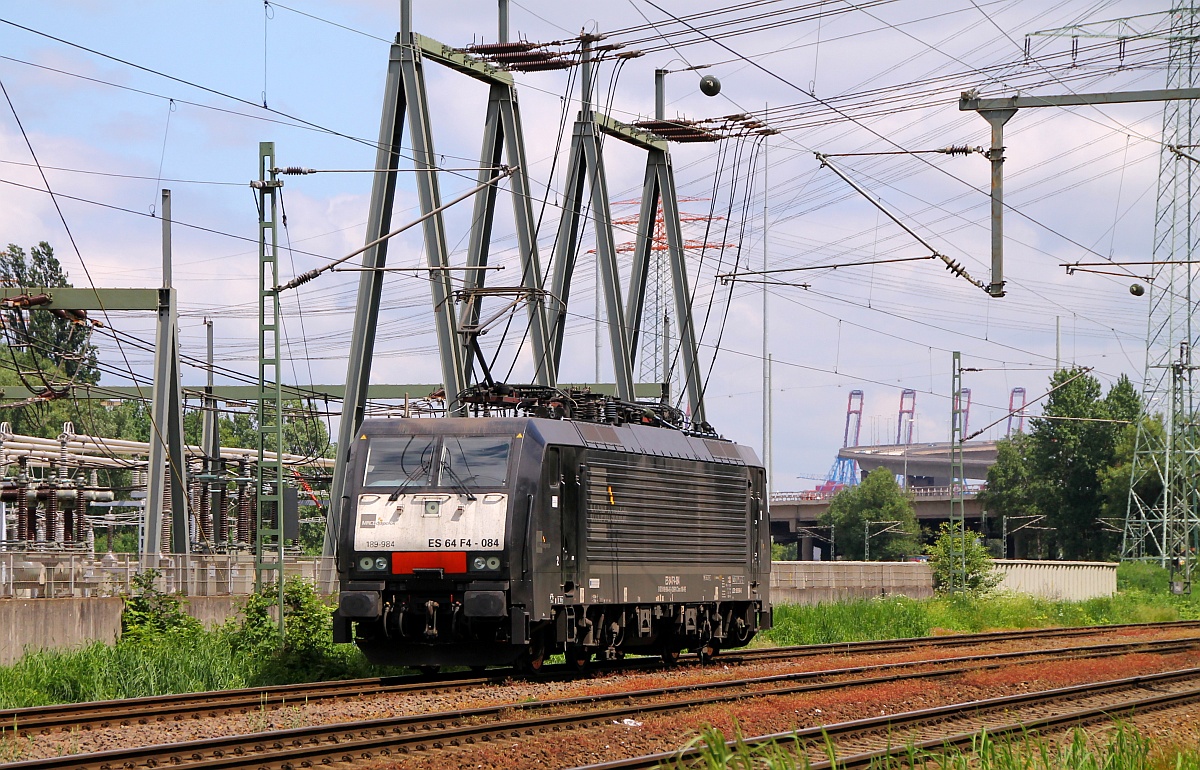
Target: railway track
168	708
930	731
396	736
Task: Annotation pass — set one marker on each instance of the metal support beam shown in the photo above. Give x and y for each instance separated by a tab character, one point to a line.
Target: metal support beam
370	287
587	164
503	137
658	187
971	102
643	255
997	112
606	253
269	471
958	481
460	62
85	299
996	119
627	133
166	465
425	160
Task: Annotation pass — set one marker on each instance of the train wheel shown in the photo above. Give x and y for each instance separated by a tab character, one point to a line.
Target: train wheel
578	659
707	653
670	657
535	657
534	661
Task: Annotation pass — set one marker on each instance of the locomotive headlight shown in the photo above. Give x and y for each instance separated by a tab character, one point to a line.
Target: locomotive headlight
480	563
493	562
366	563
381	563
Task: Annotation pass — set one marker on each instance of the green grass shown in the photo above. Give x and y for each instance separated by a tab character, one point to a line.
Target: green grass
893	618
207	660
852	621
1123	748
163	651
1142	598
1142	576
104	672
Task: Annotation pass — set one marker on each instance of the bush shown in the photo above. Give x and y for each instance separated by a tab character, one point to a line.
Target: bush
150	613
163	650
1142	576
306	651
981	575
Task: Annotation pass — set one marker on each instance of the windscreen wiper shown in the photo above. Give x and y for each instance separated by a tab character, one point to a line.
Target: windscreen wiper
462	488
424	467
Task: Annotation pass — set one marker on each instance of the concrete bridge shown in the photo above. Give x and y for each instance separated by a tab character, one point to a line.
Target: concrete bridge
793	512
924	464
794	515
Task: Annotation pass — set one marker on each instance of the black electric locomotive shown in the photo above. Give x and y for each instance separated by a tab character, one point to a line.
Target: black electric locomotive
580	525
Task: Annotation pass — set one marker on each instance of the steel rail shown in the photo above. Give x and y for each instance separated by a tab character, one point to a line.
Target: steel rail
65	717
931	748
383	737
820	736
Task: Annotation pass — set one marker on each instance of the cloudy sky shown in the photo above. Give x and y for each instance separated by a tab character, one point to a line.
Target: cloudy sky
120	99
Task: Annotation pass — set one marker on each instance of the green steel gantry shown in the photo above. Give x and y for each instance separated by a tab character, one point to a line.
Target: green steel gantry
958	481
269	539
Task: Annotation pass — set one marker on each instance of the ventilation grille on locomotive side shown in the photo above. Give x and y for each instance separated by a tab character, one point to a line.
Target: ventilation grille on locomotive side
644	509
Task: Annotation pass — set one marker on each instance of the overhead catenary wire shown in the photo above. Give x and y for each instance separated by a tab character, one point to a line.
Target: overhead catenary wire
305	277
726	277
951	265
705	287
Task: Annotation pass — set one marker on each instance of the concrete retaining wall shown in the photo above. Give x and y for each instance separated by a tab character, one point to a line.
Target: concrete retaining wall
813	582
62	624
1069	580
39	624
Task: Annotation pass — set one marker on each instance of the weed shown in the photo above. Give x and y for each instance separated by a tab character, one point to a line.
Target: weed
1124	748
14	748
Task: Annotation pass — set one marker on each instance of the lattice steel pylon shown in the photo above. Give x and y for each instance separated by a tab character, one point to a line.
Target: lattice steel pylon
1161	517
654	359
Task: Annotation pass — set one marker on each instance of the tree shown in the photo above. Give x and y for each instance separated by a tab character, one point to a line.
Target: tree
303	431
1115	480
1063	469
1014	490
1011	486
41	335
1070	455
981	575
877	499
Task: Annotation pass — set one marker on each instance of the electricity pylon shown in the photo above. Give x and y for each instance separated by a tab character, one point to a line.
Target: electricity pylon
1161	518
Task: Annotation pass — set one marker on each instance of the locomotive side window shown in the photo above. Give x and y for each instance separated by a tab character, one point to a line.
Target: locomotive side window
553	468
402	461
474	461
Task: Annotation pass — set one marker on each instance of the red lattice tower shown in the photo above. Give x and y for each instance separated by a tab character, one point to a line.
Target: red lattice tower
658	316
